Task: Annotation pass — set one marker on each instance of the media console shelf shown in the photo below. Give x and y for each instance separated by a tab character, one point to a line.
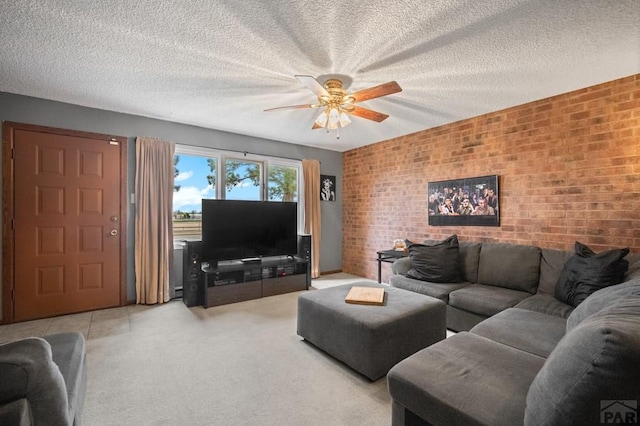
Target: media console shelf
236	281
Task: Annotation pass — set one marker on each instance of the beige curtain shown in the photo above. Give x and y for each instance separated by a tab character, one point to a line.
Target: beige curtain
311	172
154	227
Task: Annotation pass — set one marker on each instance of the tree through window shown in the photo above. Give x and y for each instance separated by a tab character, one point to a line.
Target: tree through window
242	180
283	183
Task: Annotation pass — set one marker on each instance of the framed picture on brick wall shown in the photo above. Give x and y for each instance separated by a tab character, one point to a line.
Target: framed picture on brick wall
469	201
327	188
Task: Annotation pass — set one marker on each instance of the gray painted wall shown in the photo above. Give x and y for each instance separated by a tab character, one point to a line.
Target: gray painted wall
28	110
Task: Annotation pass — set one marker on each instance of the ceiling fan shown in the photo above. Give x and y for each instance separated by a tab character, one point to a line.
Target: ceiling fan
337	104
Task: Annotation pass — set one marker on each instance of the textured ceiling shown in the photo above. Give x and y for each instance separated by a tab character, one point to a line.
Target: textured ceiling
219	64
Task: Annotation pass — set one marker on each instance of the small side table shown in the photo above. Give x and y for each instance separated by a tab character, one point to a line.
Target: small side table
388	256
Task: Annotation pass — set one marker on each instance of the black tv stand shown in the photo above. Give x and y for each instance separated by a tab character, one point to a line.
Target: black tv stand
233	281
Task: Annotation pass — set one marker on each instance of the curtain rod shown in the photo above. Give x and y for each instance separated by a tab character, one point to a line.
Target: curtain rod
247	152
274	156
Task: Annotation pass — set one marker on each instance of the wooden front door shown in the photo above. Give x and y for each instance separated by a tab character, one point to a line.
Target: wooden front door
67	247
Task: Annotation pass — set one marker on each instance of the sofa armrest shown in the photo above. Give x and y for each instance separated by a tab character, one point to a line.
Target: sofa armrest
68	351
401	266
16	413
28	371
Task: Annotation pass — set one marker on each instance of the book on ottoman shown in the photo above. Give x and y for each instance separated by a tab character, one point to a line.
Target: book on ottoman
365	295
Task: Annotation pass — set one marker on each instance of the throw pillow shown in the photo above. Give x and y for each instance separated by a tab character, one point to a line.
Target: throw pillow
585	272
437	263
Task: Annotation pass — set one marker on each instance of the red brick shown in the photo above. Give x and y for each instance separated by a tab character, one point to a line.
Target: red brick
568	165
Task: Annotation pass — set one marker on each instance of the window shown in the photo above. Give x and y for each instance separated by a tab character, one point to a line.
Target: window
198	174
195	177
243	180
283	182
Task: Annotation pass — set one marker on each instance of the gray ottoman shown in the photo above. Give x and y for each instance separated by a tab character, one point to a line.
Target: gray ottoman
370	339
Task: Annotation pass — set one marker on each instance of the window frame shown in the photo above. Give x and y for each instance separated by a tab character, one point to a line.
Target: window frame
266	161
241	157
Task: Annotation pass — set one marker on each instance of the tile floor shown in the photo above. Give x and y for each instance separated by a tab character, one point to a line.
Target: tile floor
93	325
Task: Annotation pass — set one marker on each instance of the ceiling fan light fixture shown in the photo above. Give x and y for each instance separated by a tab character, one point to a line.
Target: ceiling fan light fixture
334	118
344	119
348	100
322	119
338	104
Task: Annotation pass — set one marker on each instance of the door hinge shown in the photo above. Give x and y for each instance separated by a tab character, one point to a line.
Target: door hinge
114	142
12	151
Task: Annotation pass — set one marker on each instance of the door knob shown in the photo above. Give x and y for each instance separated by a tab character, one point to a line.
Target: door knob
114	218
114	232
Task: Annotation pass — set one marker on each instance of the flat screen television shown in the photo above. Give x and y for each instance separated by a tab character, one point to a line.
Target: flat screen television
234	229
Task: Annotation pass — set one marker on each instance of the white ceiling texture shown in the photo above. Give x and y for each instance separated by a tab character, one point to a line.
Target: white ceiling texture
219	64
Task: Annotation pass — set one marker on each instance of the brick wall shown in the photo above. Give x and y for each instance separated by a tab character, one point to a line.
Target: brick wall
568	166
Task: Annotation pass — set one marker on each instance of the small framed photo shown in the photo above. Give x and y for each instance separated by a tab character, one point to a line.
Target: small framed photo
327	188
470	201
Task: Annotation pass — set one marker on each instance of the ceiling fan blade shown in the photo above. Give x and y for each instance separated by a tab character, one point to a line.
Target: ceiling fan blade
313	84
293	107
366	113
376	92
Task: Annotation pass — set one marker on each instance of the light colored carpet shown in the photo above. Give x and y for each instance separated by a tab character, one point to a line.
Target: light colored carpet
339	278
238	364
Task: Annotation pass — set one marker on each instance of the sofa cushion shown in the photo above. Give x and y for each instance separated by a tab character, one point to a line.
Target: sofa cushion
510	266
485	299
438	290
436	263
529	331
586	272
546	304
595	362
468	259
461	320
465	380
601	299
551	264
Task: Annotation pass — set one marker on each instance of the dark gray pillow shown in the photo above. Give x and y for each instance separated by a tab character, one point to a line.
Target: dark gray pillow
437	263
585	272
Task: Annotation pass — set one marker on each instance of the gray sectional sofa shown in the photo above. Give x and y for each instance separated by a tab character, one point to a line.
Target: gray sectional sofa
496	277
43	380
521	356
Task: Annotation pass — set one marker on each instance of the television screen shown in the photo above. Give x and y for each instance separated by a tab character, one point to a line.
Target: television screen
233	229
